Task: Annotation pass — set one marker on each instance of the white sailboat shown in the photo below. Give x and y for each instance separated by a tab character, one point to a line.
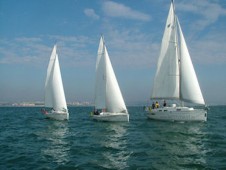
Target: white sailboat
175	78
54	92
109	103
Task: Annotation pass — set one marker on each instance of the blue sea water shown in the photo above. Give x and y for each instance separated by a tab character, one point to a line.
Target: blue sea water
29	141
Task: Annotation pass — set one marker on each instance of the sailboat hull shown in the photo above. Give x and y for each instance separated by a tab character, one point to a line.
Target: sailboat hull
178	114
57	115
112	117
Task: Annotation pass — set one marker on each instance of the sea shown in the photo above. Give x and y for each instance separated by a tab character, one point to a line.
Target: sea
30	141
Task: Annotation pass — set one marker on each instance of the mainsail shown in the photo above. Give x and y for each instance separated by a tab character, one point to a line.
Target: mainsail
175	77
100	83
54	91
107	91
166	82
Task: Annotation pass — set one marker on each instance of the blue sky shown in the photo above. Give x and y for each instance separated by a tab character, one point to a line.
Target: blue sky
133	31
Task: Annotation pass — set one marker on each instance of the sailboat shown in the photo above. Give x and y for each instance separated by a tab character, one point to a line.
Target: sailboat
109	103
55	102
175	78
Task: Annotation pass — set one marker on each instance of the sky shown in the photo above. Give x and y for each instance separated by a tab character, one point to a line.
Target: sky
132	30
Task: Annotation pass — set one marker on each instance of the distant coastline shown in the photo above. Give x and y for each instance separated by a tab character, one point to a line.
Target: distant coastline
40	104
71	104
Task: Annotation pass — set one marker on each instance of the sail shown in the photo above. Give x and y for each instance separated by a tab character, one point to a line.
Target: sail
54	91
100	83
166	81
107	91
49	82
190	89
114	99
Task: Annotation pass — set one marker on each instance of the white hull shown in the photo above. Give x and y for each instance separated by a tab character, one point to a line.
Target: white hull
112	117
178	114
57	115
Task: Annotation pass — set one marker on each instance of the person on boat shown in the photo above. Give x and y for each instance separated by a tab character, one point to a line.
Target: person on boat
156	104
153	105
164	103
96	112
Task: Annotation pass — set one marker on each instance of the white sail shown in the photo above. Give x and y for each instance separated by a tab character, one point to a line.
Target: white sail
166	82
175	76
107	91
49	82
190	89
54	91
114	99
100	83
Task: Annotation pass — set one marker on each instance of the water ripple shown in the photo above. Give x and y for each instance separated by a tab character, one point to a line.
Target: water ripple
29	141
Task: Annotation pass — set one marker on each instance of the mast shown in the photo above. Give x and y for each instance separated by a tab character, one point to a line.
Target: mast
179	63
178	49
